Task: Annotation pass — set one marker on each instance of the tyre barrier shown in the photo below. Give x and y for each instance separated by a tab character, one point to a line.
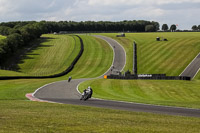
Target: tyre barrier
148	77
69	69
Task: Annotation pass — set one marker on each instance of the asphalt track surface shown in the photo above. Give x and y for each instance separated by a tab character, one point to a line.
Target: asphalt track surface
193	68
66	92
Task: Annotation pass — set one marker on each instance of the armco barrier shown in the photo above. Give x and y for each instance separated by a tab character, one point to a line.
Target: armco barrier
51	76
152	77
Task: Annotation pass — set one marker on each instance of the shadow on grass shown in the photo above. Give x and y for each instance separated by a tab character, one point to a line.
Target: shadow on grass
12	62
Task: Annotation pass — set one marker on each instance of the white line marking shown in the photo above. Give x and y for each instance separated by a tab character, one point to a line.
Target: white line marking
110	66
190	64
124	51
147	104
104	99
113	57
83	78
196	73
45	86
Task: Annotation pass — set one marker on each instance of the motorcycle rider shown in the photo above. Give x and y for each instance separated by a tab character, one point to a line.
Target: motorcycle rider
83	94
69	79
90	91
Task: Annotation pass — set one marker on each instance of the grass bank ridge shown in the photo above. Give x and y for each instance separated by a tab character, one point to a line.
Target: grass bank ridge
69	69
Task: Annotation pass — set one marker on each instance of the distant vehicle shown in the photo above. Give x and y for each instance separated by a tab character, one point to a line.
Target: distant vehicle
161	39
122	35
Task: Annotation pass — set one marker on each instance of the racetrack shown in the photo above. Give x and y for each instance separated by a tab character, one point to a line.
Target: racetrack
193	68
63	89
64	92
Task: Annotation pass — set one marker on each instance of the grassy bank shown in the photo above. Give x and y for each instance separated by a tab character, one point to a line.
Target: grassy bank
53	55
25	116
170	57
19	115
96	59
172	93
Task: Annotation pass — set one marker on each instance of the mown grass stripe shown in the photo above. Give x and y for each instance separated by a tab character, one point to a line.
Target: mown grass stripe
152	63
85	60
90	64
45	60
155	62
149	54
181	56
171	93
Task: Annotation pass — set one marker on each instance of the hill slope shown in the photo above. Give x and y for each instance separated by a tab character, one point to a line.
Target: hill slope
169	57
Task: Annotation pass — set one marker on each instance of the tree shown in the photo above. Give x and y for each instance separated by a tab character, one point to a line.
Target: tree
156	25
194	28
173	28
165	27
4	30
150	28
198	27
14	41
2	52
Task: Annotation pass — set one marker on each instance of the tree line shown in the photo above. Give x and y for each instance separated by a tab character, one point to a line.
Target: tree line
173	27
166	28
20	33
107	26
196	28
102	26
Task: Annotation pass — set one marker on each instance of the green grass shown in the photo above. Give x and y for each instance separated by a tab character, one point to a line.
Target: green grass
56	52
170	57
96	59
10	73
17	89
25	116
171	93
19	115
2	37
52	56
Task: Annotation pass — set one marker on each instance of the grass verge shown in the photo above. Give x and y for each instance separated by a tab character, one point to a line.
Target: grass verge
171	93
25	116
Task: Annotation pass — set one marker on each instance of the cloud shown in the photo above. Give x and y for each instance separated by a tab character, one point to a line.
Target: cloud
137	2
5	6
184	12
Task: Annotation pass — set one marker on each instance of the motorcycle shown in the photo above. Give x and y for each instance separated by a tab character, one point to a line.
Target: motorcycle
86	95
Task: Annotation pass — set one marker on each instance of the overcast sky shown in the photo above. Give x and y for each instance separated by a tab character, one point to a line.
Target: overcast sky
185	13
